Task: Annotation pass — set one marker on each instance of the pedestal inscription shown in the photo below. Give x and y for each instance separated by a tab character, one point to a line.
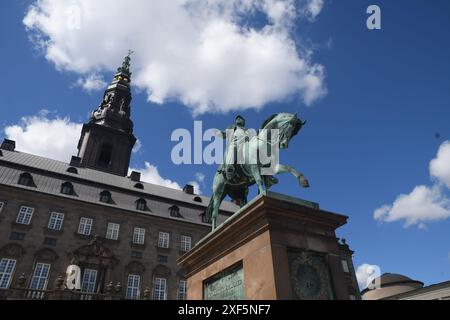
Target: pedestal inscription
227	285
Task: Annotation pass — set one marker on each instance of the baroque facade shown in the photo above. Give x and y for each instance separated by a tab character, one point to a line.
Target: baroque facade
125	235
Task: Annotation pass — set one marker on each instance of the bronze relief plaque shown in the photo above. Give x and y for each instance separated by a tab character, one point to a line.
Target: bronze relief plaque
226	285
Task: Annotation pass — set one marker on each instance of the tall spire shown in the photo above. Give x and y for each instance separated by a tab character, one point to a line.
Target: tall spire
114	111
107	140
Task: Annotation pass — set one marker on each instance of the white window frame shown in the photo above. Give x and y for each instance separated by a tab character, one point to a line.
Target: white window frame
85	226
25	215
7	268
41	273
139	235
182	290
185	243
112	231
133	287
164	240
160	289
89	281
56	221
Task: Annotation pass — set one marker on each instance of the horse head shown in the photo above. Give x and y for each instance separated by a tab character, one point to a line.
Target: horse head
289	125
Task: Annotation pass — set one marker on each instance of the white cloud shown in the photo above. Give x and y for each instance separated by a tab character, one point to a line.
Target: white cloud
52	138
366	273
92	82
424	204
440	166
137	147
200	177
204	53
313	8
150	174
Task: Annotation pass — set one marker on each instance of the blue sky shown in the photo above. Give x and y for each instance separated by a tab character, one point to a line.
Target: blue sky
369	138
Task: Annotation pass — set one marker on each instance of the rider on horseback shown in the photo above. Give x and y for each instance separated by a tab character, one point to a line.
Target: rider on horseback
237	137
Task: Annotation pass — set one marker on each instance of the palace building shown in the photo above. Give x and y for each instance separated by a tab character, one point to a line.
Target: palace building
124	235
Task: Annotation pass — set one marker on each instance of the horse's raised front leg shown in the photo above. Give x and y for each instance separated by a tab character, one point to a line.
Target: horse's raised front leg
298	175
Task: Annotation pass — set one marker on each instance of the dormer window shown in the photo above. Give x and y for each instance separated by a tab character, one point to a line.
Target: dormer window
105	197
141	205
72	170
26	180
198	199
139	186
67	189
175	212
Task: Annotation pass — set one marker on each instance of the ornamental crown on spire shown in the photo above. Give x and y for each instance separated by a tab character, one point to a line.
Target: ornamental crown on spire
125	68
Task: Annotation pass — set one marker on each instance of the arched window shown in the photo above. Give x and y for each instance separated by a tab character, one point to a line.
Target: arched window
175	212
139	186
104	160
141	205
67	188
72	170
198	199
26	180
105	196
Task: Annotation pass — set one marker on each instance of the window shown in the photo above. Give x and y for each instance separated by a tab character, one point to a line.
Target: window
17	236
345	266
85	226
174	211
72	170
141	205
186	243
139	236
198	199
112	232
40	277
50	242
182	290
139	186
25	215
26	180
89	281
136	255
159	292
2	204
67	188
105	155
56	221
163	241
105	197
133	287
162	259
7	267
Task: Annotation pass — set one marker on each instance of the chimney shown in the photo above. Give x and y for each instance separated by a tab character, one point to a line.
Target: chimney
75	162
9	145
189	189
135	176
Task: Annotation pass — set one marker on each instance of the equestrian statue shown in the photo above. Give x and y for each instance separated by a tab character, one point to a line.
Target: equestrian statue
244	165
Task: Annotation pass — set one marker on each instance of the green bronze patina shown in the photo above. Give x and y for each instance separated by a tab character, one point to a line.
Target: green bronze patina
234	179
227	285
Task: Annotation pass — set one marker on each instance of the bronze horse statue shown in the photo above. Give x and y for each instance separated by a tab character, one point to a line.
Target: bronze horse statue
249	172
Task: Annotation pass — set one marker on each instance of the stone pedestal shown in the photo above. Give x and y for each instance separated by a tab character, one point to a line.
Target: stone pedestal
275	248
